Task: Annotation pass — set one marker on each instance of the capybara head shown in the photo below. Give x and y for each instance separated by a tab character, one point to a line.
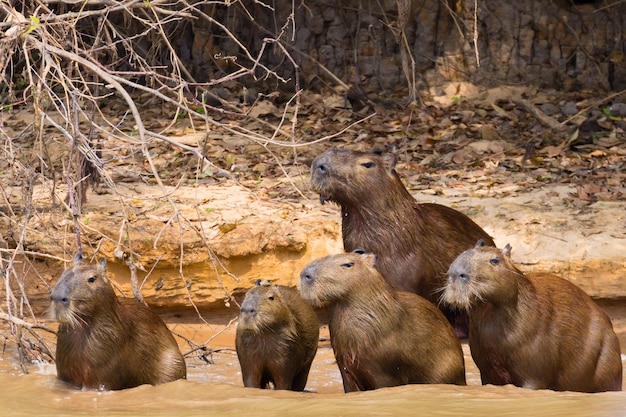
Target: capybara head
81	290
480	274
334	277
263	308
346	177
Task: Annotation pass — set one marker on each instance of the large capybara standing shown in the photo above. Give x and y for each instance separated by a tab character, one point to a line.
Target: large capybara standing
106	342
381	337
415	243
536	330
276	338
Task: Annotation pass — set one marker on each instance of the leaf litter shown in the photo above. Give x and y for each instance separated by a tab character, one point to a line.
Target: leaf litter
496	140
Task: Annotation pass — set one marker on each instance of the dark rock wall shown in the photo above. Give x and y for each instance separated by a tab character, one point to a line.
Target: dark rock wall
542	42
549	43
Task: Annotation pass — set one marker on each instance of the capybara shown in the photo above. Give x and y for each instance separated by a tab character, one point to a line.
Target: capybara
415	242
533	330
106	342
276	339
380	337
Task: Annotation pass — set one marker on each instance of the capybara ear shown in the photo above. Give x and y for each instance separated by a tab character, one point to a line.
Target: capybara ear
507	250
78	258
480	243
103	264
360	251
391	160
257	282
369	259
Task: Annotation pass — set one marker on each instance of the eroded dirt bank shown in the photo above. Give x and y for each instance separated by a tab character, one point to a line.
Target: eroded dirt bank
253	236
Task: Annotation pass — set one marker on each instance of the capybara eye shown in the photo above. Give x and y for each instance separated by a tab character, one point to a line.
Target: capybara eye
347	265
494	261
368	164
91	279
271	298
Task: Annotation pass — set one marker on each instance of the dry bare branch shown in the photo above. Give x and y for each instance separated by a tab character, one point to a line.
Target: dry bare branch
89	71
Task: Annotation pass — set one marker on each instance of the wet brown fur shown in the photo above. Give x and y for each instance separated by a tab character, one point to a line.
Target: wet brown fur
536	330
415	243
106	342
381	337
276	338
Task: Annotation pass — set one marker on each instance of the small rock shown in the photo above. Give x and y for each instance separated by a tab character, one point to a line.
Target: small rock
569	108
618	109
550	109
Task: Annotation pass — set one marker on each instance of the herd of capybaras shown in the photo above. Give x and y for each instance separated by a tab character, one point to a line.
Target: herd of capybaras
414	279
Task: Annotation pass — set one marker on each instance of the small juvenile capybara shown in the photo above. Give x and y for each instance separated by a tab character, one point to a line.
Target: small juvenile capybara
276	338
415	243
106	342
380	337
536	330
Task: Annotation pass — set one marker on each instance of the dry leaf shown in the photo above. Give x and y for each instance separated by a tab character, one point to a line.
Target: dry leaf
227	227
263	108
489	133
458	157
587	191
553	151
335	101
597	153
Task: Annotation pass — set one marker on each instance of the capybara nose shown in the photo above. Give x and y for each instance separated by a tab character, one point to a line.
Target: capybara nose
456	275
320	164
306	277
58	297
248	310
63	300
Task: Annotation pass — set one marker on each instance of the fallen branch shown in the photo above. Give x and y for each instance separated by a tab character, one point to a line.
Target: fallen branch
27	325
537	113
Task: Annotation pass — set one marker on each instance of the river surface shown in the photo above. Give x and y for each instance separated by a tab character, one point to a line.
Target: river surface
215	388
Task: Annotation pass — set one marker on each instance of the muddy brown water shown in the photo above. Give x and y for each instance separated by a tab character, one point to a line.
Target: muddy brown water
215	387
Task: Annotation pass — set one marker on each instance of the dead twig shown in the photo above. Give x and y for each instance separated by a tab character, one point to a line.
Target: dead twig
541	116
25	324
